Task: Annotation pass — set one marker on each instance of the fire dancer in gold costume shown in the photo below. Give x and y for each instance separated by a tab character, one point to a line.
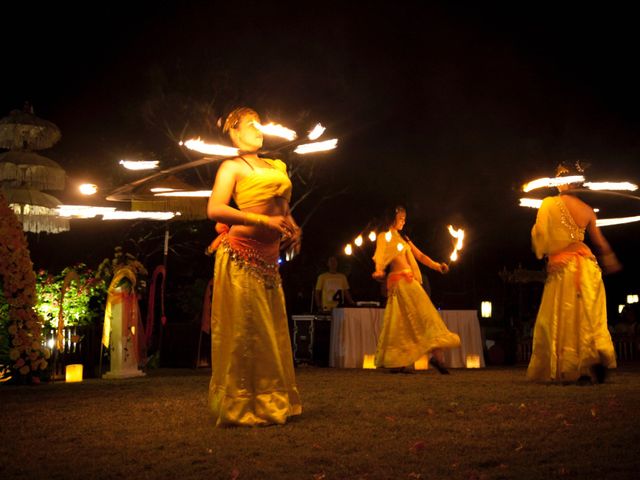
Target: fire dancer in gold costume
252	380
412	326
571	341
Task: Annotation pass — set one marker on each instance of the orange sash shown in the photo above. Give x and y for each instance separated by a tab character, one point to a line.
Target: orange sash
394	277
559	260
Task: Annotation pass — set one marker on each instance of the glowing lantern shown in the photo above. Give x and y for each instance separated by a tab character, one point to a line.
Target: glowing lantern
88	188
485	309
422	363
368	362
372	236
473	361
358	241
73	373
621	307
348	250
632	299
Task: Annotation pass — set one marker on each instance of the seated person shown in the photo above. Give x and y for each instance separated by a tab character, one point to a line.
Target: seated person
330	286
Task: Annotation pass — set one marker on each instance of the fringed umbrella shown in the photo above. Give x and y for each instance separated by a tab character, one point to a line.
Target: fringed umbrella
36	210
190	208
24	173
22	130
18	168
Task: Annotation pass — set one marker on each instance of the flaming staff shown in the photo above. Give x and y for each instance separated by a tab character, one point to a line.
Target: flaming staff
616	189
458	235
226	152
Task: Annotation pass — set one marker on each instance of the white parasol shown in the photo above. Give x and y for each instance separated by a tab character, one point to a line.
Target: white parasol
37	211
18	168
22	130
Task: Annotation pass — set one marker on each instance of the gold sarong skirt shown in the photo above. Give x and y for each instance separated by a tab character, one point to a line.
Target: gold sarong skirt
412	326
571	334
252	380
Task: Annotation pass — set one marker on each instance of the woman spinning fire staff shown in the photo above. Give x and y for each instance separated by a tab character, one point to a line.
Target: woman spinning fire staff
571	341
252	380
412	326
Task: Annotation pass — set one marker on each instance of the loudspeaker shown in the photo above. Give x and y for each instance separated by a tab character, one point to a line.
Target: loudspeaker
311	339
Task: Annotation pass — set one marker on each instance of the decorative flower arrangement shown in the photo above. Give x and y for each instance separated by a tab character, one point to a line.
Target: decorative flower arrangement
110	266
27	357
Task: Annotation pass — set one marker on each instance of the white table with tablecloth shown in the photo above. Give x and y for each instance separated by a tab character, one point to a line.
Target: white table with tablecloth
355	332
465	323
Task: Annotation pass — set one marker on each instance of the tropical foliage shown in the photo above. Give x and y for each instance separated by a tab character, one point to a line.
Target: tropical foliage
83	299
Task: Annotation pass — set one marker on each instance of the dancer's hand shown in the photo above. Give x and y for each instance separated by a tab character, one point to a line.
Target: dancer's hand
610	263
443	268
378	275
281	224
292	242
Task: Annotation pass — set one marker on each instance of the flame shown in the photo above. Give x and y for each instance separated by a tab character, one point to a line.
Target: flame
139	164
600	222
459	236
197	145
530	202
110	213
358	241
551	182
348	250
276	130
372	236
185	193
125	215
82	211
317	131
316	146
631	187
607	222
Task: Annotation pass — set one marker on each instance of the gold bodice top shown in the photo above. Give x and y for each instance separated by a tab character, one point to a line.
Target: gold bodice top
263	184
555	228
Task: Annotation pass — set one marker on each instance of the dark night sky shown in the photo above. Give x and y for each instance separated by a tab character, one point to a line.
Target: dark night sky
444	108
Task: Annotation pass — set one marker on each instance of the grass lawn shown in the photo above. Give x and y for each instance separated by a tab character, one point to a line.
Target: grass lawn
356	424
